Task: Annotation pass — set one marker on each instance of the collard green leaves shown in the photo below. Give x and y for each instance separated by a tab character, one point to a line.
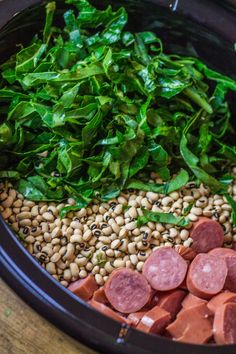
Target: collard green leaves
91	108
232	203
165	218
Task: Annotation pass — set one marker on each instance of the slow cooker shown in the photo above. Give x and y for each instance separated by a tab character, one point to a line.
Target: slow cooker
204	28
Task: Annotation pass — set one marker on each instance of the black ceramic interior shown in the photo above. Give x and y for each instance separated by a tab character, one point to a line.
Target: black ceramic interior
203	28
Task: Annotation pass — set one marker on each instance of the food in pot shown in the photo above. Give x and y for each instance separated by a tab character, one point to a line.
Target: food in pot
206	276
178	314
154	320
171	301
224	326
127	291
165	269
84	288
191	300
229	256
118	173
206	234
193	325
70	248
221	299
107	311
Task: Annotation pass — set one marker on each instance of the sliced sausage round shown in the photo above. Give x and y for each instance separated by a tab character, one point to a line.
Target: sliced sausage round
165	269
222	252
221	299
127	290
206	234
206	275
154	321
84	288
224	326
229	256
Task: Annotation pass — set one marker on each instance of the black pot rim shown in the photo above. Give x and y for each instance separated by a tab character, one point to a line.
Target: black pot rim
29	280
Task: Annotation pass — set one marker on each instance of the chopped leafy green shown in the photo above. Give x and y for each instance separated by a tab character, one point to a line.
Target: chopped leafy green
101	259
232	203
187	209
165	218
10	174
91	108
176	183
